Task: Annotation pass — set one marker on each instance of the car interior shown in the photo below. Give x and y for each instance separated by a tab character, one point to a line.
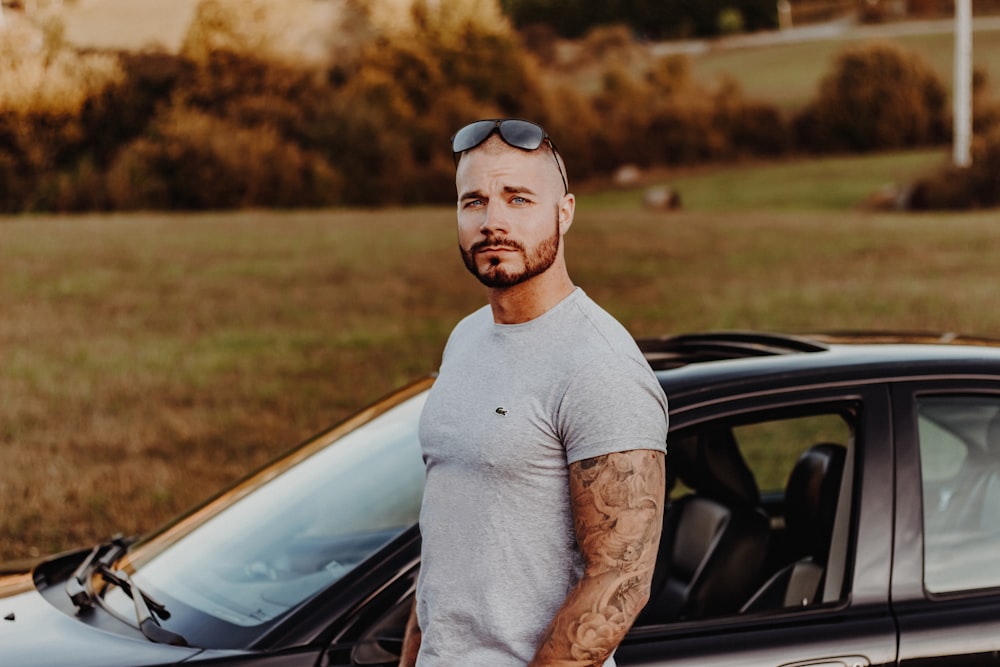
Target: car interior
726	547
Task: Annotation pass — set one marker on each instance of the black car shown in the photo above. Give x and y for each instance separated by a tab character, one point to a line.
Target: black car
835	501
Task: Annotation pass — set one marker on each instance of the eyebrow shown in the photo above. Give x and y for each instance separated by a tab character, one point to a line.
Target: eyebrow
508	189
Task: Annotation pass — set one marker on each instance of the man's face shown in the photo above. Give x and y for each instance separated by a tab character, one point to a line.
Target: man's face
510	223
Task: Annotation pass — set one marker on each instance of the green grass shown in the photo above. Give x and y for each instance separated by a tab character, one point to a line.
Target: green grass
788	74
829	183
148	359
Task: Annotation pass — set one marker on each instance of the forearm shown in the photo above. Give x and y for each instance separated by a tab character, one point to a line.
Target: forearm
617	502
593	621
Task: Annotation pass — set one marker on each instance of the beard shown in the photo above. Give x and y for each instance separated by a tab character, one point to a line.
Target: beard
535	261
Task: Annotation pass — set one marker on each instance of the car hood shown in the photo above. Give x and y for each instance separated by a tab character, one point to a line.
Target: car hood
33	633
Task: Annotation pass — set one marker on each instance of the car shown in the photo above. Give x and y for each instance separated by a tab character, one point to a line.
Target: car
834	501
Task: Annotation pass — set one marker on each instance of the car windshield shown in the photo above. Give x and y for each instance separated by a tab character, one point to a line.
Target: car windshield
287	539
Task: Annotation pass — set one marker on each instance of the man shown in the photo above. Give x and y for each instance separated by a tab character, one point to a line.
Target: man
544	438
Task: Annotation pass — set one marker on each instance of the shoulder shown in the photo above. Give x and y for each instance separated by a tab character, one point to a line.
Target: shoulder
612	400
602	337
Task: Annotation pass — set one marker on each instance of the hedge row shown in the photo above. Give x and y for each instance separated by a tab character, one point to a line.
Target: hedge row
228	129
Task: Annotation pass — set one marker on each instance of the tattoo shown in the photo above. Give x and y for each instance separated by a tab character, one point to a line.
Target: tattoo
618	510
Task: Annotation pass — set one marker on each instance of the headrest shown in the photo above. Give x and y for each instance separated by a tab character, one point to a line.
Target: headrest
710	463
811	496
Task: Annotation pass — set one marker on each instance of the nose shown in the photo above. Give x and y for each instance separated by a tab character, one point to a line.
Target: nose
494	220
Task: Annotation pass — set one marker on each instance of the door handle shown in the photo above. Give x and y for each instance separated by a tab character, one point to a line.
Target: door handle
842	661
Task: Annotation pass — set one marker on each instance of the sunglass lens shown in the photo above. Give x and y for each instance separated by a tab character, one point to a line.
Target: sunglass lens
472	135
522	134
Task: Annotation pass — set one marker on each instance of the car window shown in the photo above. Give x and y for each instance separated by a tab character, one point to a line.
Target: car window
772	447
960	479
742	533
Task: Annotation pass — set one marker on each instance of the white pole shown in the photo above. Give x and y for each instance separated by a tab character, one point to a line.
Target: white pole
963	83
784	14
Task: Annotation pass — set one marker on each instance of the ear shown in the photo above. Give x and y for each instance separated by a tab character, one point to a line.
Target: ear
566	209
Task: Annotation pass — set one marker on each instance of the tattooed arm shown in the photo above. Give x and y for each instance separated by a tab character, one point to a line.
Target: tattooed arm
617	502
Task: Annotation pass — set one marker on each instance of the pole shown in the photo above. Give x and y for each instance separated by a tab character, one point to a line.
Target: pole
963	84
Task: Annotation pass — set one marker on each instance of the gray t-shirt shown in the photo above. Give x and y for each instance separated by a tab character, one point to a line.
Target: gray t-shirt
512	407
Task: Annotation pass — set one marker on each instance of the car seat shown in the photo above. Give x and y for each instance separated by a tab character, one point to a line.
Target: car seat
811	496
714	539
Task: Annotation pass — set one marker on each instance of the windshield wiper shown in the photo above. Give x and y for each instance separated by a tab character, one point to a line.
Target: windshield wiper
100	560
148	624
103	555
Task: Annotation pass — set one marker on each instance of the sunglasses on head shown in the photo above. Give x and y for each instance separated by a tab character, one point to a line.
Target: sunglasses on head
518	133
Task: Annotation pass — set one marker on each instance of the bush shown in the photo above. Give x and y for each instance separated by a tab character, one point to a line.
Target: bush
878	96
752	128
196	161
666	117
123	111
976	186
985	108
14	186
46	94
387	122
224	80
80	188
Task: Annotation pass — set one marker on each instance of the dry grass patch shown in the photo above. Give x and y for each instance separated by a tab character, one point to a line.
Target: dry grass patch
147	360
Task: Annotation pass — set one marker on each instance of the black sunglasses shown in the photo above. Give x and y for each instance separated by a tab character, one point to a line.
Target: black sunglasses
515	132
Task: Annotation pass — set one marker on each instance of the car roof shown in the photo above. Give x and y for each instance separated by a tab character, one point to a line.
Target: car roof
699	367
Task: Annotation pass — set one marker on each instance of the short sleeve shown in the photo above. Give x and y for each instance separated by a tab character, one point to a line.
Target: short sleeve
612	406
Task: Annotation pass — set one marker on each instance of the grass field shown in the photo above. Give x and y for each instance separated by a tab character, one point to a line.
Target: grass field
833	183
787	74
146	360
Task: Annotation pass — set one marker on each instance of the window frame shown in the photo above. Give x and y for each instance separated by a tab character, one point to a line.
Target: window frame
862	620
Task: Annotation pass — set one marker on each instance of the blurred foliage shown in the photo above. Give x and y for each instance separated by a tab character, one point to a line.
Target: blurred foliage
653	19
666	117
956	188
952	187
878	96
232	121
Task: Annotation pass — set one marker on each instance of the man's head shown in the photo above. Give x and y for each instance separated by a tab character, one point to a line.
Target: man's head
514	132
513	202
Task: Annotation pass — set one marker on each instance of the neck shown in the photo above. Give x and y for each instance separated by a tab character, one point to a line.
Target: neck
528	300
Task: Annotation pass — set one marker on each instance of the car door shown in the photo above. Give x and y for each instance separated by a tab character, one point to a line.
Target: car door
946	576
851	625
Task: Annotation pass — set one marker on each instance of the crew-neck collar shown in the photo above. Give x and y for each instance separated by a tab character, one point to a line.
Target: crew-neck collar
563	303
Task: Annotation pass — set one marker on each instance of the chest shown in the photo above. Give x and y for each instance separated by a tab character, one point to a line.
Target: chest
494	415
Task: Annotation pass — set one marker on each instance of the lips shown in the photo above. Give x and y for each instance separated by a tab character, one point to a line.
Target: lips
489	245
